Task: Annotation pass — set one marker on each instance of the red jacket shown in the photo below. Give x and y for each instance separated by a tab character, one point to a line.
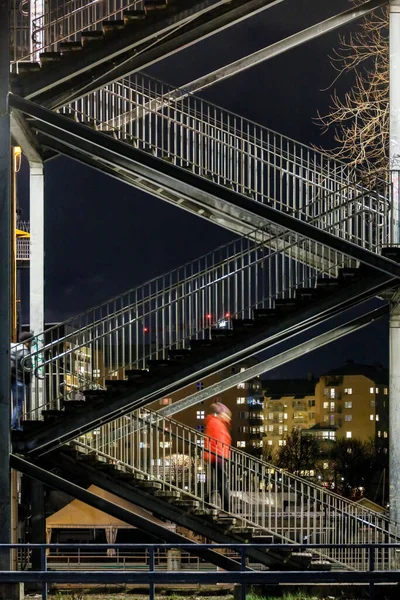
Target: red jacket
218	439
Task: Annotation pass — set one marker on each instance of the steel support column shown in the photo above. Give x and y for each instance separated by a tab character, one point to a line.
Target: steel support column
394	165
36	282
6	591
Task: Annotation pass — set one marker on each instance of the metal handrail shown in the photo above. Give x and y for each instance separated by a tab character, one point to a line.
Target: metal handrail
167	311
249	158
261	495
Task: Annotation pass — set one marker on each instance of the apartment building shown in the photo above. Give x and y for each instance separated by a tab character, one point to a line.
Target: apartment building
349	402
288	404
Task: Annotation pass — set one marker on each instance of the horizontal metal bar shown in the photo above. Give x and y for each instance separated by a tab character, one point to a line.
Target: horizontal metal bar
190	577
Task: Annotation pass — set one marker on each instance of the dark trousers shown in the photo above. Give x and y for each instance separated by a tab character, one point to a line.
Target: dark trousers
220	482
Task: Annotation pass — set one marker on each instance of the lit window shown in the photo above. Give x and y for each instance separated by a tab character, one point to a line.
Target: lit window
348	391
385	391
241	400
241	386
143	445
325	465
379	434
371	390
269	442
326	418
199	414
285	428
376	390
348	404
241	444
270	416
371	417
348	434
385	434
165	401
282	442
200	442
270	428
326	405
285	416
332	407
280	429
348	417
331	392
376	417
165	444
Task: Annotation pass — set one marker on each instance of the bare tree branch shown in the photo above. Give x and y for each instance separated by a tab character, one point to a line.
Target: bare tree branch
360	119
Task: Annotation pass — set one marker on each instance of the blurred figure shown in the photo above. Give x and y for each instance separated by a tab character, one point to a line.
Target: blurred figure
20	379
218	442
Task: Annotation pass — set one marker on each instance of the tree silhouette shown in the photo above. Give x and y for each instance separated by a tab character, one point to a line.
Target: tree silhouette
300	454
360	119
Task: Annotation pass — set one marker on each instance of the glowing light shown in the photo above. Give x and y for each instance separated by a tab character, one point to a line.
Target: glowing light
208	316
227	315
145	329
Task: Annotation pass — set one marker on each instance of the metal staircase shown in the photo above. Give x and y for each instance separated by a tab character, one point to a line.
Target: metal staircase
307	224
163	466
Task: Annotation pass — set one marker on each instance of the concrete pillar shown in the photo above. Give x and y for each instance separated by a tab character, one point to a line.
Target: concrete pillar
36	282
394	331
173	560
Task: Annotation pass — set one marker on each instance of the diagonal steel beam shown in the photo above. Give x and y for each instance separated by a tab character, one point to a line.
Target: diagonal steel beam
275	361
117	60
121	156
119	512
252	60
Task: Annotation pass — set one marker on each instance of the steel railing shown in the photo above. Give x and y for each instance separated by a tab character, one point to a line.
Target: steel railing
169	310
63	22
243	155
261	495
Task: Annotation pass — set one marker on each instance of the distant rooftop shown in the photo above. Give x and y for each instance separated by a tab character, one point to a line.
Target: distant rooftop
276	388
377	373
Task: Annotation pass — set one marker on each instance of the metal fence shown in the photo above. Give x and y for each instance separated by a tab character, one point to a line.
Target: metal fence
259	494
242	155
152	575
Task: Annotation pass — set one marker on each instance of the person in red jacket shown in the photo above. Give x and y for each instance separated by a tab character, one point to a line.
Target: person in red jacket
218	448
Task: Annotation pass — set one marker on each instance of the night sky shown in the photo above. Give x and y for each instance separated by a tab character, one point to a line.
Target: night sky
103	237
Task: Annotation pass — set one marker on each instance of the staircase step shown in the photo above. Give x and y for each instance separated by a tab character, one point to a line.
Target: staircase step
226	522
285	305
243	530
207	513
221	333
327	283
163	363
306	294
180	353
25	68
391	252
92	38
94	394
168	495
47	58
52	413
152	5
131	17
202	344
137	374
149	484
68	48
187	503
264	314
242	324
113	27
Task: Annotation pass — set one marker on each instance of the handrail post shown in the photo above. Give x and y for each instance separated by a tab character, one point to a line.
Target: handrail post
43	562
243	568
371	568
151	570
